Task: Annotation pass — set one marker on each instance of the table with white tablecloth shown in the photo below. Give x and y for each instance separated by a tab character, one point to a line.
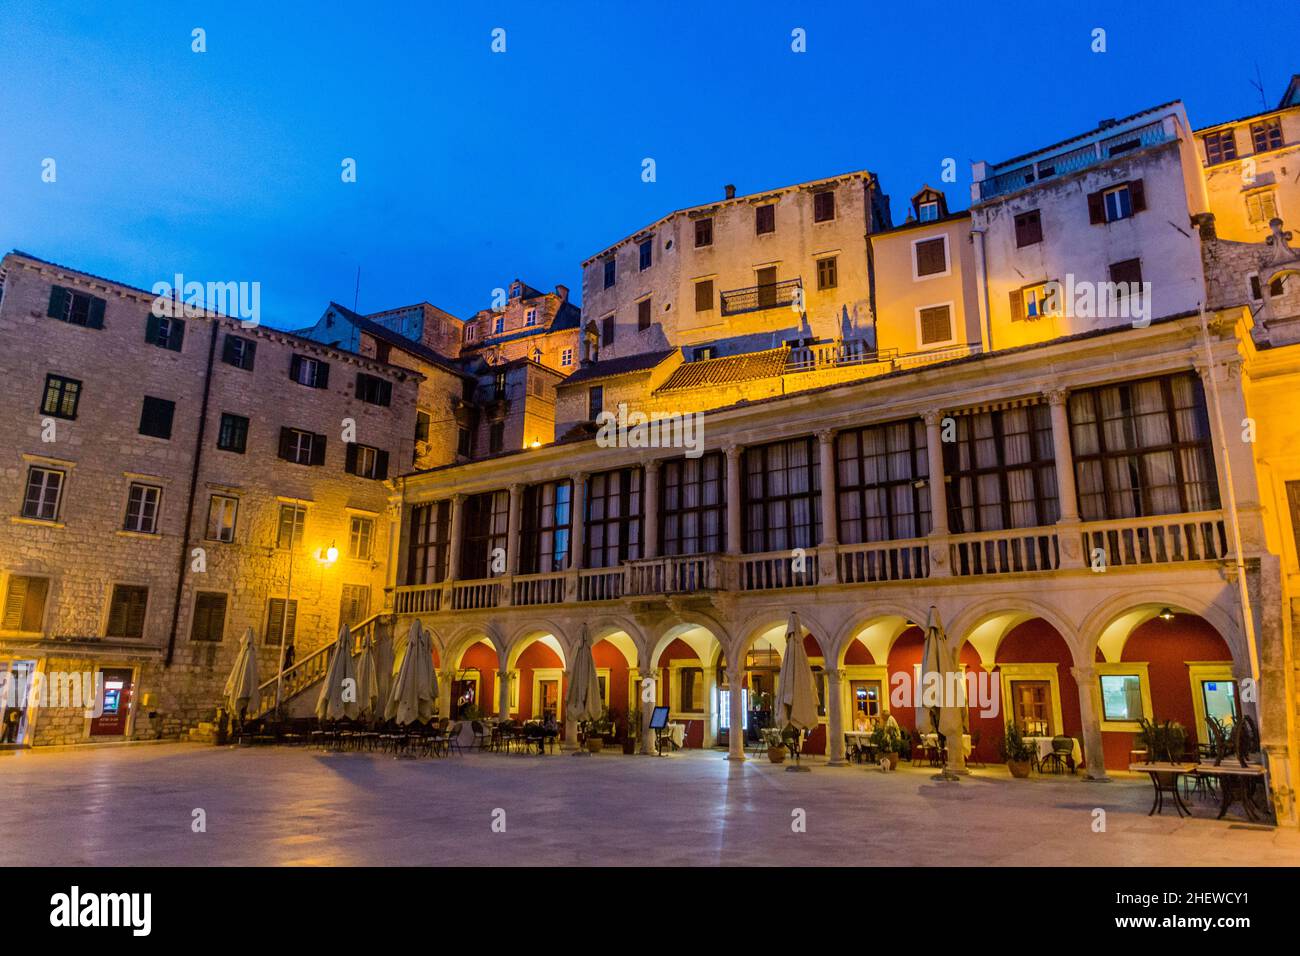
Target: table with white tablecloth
676	732
1044	747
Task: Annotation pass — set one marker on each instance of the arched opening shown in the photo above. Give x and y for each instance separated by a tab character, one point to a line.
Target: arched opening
1162	663
685	666
474	681
536	668
615	655
764	652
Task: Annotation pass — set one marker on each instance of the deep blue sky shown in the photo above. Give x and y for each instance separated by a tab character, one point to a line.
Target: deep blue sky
475	168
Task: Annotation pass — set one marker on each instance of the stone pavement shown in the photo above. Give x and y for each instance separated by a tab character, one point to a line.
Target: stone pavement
289	806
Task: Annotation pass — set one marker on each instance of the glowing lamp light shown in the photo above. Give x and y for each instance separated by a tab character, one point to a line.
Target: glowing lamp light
1166	614
328	555
535	444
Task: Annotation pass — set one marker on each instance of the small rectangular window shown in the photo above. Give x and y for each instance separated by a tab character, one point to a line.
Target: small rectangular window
309	371
824	206
936	325
142	508
1256	288
281	621
703	232
239	352
827	273
76	308
689	682
530	317
209	616
931	256
166	332
61	397
374	390
126	611
292	522
222	514
566	358
354	605
643	315
1121	697
302	447
928	211
232	435
1119	204
496	437
1266	134
609	272
44	493
595	402
645	254
704	295
366	462
765	219
607	327
1220	147
156	417
361	535
1261	207
1029	228
423	424
24	607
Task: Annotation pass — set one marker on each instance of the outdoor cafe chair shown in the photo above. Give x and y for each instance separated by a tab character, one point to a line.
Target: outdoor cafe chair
481	735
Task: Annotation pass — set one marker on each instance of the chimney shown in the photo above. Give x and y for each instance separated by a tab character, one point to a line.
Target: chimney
731	191
1107	123
563	292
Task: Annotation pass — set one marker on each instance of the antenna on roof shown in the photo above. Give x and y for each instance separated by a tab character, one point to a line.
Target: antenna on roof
1258	84
356	295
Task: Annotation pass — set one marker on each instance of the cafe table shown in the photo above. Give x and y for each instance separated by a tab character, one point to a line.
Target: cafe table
1237	784
932	740
1164	779
1044	746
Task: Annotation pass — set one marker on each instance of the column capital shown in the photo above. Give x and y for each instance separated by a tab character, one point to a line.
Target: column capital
826	435
651	465
733	451
458	497
833	674
1057	396
1084	675
516	487
934	416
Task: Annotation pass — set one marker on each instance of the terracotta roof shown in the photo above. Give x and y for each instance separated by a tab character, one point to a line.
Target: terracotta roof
724	371
641	362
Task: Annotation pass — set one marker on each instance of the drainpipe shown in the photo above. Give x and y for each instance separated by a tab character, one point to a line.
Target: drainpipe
982	293
183	564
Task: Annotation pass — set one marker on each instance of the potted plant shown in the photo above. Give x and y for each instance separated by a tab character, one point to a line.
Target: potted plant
632	737
775	745
1017	752
888	741
595	730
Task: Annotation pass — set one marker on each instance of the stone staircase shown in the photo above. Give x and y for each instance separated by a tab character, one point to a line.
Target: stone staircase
300	684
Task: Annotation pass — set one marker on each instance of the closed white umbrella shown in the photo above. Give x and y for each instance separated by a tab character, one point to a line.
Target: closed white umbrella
796	692
241	685
582	700
942	685
367	683
338	694
415	689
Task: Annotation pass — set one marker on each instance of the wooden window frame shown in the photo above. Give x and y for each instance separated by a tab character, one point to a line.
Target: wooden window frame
683	473
852	442
1046	508
629	518
759	455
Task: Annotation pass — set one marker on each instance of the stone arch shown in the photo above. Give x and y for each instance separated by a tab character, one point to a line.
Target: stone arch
539	630
890	618
657	642
1108	626
985	624
460	640
608	627
768	621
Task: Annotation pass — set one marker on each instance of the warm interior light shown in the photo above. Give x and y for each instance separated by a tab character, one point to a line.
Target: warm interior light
535	444
1166	614
328	555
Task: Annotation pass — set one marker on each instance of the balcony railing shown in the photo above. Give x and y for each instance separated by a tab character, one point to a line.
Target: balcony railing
755	298
1169	539
1081	157
1160	540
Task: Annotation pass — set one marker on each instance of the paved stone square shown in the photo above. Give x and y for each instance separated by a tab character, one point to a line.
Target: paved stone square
290	806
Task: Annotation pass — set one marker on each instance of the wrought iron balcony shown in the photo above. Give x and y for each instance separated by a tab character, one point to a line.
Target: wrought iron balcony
756	298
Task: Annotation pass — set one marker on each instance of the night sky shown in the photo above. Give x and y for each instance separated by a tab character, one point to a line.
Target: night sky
474	167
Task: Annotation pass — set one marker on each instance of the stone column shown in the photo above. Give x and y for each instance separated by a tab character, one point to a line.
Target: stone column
1089	709
827	572
456	537
736	732
395	514
503	692
835	716
570	725
512	528
1065	490
578	517
445	677
938	487
650	501
734	501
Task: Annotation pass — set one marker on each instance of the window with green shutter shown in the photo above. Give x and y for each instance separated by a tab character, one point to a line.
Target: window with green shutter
281	621
209	616
126	611
166	332
76	308
24	607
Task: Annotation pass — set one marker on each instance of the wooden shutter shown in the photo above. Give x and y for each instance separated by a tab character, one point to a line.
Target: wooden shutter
177	337
58	307
350	462
295	367
137	599
1017	305
274	620
1137	195
704	296
385	392
151	329
95	320
15	602
290	620
1096	208
318	449
322	375
228	350
34	605
286	443
381	465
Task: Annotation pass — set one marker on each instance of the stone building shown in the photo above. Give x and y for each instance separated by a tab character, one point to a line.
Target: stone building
171	480
1252	169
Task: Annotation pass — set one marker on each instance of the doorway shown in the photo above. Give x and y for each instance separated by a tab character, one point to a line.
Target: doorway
15	689
115	699
548	698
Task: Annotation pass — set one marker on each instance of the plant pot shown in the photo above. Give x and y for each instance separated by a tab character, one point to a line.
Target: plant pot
892	757
776	754
1019	768
629	746
595	745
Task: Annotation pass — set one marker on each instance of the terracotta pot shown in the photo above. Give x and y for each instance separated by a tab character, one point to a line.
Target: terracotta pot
1019	768
776	754
629	746
595	745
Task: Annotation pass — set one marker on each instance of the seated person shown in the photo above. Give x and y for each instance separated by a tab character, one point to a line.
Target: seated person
861	721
